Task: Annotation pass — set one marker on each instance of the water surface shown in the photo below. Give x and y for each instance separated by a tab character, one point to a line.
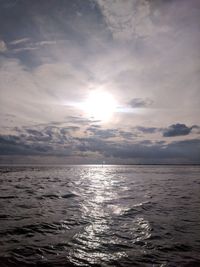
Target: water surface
100	216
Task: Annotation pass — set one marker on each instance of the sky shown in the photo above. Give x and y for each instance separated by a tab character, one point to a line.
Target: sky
88	81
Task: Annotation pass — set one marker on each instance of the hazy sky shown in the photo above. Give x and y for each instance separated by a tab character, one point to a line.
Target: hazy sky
143	54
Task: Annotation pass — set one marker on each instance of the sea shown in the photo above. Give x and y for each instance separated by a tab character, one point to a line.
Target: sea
100	215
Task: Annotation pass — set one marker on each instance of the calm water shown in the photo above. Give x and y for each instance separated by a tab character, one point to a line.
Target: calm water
100	216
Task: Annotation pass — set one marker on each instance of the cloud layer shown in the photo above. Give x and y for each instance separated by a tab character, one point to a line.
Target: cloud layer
144	53
111	145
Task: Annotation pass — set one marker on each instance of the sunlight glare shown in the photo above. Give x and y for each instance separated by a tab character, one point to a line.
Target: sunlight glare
100	105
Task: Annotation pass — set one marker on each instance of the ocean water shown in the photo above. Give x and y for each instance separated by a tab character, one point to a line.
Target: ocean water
100	216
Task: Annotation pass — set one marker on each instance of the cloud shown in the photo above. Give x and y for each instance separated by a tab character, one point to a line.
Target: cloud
196	129
11	145
134	49
26	48
80	120
186	151
25	44
8	3
171	131
102	133
127	134
147	130
140	102
96	132
129	18
59	141
35	96
177	130
3	47
45	140
20	41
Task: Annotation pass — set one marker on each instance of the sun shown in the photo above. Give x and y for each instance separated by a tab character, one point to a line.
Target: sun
100	105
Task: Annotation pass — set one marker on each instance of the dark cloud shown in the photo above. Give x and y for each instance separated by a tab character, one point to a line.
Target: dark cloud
146	151
8	3
9	139
42	24
68	129
127	134
46	140
147	130
140	102
177	130
186	149
117	143
109	133
51	133
16	145
57	141
102	133
34	132
171	131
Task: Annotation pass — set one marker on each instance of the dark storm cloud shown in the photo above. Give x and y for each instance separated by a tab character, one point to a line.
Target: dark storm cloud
177	130
140	103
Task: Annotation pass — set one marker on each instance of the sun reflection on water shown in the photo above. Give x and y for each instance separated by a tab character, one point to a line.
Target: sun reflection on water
103	238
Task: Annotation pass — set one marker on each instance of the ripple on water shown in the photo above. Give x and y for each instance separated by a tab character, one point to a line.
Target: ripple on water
94	216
